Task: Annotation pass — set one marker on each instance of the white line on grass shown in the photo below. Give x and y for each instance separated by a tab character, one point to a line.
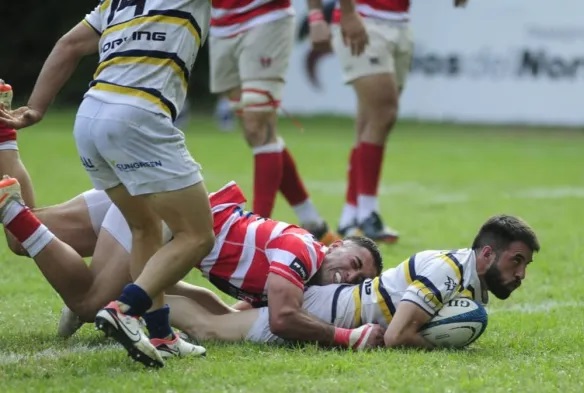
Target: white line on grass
57	353
54	353
537	308
435	195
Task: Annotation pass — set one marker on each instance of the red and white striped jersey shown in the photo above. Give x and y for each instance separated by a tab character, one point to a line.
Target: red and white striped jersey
231	17
249	247
398	10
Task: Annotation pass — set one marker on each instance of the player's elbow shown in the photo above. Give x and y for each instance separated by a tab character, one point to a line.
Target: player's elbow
281	322
399	339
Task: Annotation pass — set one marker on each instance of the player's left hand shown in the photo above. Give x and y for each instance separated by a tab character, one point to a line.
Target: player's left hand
460	3
20	118
354	33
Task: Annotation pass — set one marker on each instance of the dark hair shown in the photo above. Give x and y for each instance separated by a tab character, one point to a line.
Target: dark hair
371	246
502	230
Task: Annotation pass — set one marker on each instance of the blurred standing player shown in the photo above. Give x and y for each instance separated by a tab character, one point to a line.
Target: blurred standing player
127	143
250	44
10	163
377	77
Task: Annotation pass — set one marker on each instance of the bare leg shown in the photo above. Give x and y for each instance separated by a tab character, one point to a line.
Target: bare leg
12	165
69	221
188	216
203	296
195	320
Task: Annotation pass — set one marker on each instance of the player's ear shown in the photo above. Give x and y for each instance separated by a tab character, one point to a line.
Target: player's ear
487	252
336	243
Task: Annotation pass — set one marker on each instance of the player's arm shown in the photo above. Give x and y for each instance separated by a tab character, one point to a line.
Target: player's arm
289	321
80	41
319	31
403	330
432	282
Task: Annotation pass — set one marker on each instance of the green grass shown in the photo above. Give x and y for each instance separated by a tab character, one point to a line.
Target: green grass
440	182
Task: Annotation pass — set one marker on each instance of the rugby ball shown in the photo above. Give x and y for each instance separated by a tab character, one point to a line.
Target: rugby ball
460	322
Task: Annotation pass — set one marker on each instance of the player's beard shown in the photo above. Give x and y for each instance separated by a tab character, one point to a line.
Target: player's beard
495	281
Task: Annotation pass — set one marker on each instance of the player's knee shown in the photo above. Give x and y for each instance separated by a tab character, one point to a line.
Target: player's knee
200	243
261	95
259	102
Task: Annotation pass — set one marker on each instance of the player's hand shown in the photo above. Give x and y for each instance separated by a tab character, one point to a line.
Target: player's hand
366	337
460	3
320	36
19	118
354	33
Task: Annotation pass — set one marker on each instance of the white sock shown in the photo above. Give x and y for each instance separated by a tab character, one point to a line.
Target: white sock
10	211
38	240
307	213
348	216
366	204
9	145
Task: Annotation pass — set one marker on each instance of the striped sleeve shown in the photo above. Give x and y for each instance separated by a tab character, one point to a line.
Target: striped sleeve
433	282
293	256
95	19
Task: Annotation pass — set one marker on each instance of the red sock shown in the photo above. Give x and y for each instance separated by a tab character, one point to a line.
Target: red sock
351	194
267	179
7	134
23	225
291	186
370	158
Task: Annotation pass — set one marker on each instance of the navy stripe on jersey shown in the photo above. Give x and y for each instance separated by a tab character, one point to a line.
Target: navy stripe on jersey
179	14
171	13
412	267
386	297
428	284
335	302
156	54
153	92
451	256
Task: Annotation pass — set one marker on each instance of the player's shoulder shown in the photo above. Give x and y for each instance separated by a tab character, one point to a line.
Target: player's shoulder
441	255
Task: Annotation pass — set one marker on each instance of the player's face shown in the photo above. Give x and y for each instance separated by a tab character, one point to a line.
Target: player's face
508	270
347	262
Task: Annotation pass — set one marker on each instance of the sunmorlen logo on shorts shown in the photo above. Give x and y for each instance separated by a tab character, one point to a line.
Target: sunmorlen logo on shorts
133	166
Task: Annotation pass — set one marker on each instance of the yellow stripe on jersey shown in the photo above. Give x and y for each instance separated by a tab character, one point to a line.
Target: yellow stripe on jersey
86	23
357	300
381	301
409	269
466	293
429	296
105	5
156	19
453	265
144	60
135	93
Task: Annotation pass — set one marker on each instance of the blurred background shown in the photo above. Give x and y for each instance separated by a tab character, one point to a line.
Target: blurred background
495	61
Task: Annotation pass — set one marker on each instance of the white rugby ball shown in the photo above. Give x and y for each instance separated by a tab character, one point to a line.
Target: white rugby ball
460	322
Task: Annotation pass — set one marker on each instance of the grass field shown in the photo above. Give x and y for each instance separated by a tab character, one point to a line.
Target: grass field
440	182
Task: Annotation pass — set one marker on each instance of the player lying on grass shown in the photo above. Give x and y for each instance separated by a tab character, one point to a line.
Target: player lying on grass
402	299
253	259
